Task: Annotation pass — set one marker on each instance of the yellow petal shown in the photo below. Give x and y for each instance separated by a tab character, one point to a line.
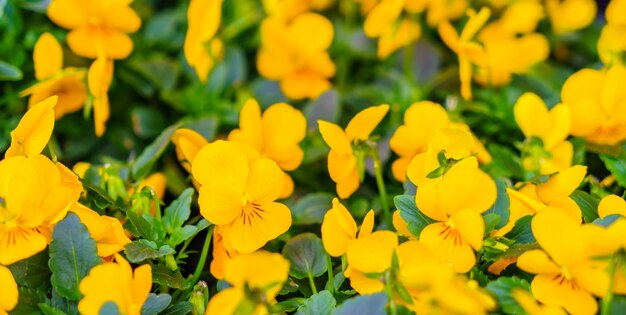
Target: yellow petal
305	84
611	204
68	14
336	138
561	241
347	186
288	187
558	292
382	17
188	143
341	167
250	126
449	246
363	284
225	302
383	243
142	283
257	270
310	32
221	163
258	225
265	182
561	158
368	224
560	126
338	229
470	226
475	23
400	225
531	115
562	184
47	56
362	125
537	261
122	17
18	244
465	186
284	127
86	41
8	299
34	129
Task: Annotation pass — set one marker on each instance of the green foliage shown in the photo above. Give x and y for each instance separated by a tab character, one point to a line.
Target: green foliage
503	288
321	303
373	304
415	219
307	256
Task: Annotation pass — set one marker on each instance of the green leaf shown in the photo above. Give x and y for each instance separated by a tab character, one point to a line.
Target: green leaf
618	305
9	72
321	303
49	310
415	219
617	166
155	304
180	308
522	232
373	304
146	226
501	206
147	122
33	272
178	211
311	208
588	205
182	234
143	164
505	162
206	126
502	289
72	254
164	276
306	254
289	305
608	220
109	308
141	250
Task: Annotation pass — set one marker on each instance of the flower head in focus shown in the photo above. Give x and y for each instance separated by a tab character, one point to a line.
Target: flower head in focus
339	229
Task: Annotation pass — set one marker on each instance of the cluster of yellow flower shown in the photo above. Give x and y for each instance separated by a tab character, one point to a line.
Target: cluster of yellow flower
426	264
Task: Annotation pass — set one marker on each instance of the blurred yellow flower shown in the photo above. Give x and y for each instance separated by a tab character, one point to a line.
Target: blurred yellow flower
566	274
115	282
239	196
530	305
611	204
595	100
96	25
8	298
294	53
33	131
551	126
361	261
188	143
289	9
339	229
385	22
612	41
263	273
202	49
106	231
99	79
570	15
456	201
342	160
275	134
67	84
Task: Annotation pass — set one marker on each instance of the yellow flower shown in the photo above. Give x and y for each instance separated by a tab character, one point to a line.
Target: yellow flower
99	79
530	305
551	126
531	199
400	225
384	21
188	143
106	231
202	49
96	25
566	274
342	161
422	120
33	131
612	41
263	273
611	204
8	298
222	252
294	53
339	229
456	201
570	15
239	196
289	9
361	261
595	102
68	84
439	11
275	135
521	16
33	198
115	282
463	45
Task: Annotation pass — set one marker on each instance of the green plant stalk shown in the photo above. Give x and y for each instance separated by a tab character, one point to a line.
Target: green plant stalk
312	282
203	256
608	297
331	277
378	172
408	61
389	291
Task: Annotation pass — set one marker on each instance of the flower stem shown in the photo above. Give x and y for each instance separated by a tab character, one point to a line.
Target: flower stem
331	277
203	256
389	291
312	283
608	298
378	171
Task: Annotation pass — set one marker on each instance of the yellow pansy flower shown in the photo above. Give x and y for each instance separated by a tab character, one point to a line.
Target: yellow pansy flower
361	261
439	11
239	196
551	126
530	305
222	252
106	231
342	161
96	25
531	199
611	204
275	134
595	100
401	225
8	298
393	31
339	229
33	131
202	49
67	84
294	53
187	143
566	274
456	201
99	79
570	15
612	41
115	282
263	273
289	9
